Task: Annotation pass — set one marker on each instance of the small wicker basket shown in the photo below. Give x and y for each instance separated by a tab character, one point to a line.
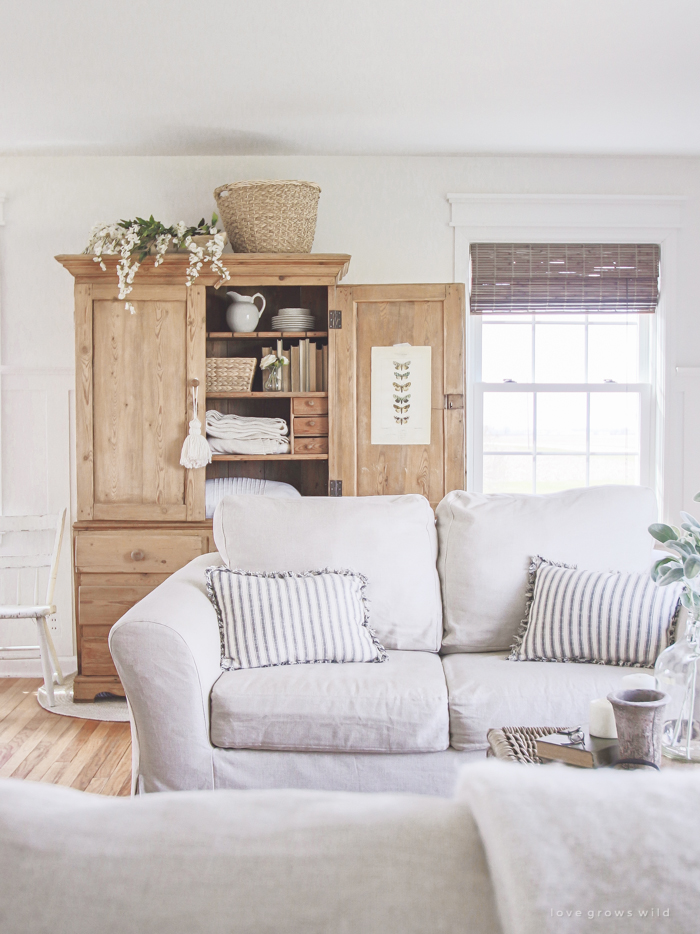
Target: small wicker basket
269	216
230	374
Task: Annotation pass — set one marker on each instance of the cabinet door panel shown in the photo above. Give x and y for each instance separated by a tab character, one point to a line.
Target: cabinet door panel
380	316
139	409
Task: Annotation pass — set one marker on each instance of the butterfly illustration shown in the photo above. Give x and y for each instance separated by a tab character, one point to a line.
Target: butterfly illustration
401	421
401	366
402	398
401	408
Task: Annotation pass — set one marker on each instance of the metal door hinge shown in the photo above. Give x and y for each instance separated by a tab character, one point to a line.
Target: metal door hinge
336	488
454	401
335	320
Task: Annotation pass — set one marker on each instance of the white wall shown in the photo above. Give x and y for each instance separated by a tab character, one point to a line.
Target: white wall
390	213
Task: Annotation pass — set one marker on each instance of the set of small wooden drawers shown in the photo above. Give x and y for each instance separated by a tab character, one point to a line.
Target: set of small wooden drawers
310	426
114	570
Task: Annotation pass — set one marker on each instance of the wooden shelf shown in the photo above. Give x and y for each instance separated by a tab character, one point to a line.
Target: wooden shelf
269	457
261	335
267	395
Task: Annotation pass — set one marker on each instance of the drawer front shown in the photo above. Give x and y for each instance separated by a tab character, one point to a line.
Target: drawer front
95	658
136	551
314	406
311	445
103	606
311	426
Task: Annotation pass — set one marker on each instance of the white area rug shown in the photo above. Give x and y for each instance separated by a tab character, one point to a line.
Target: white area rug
108	708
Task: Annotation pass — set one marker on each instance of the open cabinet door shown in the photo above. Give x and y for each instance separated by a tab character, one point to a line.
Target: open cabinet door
381	316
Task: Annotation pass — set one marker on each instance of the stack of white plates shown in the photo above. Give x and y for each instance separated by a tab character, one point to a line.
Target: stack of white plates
293	319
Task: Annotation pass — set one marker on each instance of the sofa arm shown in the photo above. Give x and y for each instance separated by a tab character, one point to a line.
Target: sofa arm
167	653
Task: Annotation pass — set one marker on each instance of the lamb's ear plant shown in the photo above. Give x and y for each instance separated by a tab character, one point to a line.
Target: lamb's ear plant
684	562
133	240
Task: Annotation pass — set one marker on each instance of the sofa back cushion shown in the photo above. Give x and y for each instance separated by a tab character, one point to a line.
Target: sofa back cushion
390	539
487	542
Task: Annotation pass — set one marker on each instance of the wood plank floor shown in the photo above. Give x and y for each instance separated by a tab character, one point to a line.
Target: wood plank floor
91	755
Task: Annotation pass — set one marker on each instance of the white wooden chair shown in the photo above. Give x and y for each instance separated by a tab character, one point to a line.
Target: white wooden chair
39	612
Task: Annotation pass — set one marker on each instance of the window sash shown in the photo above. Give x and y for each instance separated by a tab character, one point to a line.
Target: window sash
475	477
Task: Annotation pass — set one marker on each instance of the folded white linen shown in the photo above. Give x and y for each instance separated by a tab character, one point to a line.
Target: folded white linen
566	846
215	490
243	427
252	446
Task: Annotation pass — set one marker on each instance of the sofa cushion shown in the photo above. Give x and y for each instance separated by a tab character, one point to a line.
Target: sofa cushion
488	690
488	541
389	539
400	706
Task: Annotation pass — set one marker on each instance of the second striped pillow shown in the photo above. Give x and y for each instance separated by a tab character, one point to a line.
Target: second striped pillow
613	618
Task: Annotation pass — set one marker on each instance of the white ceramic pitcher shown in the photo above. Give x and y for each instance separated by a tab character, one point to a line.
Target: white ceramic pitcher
242	314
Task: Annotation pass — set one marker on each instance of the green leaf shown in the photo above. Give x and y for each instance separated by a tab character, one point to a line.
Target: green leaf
670	577
691	568
214	219
687	600
681	548
659	565
691	520
662	533
696	498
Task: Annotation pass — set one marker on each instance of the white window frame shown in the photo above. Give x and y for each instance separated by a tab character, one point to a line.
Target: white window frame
645	388
492	218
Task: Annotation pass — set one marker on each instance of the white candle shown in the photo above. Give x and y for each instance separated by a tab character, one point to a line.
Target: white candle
601	720
638	682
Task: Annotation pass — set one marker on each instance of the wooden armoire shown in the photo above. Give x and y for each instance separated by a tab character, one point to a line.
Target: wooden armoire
140	515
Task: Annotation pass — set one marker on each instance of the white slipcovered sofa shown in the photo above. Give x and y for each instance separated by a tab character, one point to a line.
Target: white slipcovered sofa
517	850
446	599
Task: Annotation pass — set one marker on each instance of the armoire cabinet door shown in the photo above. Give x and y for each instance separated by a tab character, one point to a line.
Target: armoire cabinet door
132	408
380	316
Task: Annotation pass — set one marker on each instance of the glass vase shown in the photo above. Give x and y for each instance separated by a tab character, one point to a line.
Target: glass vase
273	379
677	674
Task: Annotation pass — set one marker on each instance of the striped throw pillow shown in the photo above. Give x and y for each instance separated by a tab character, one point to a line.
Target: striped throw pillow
289	618
608	617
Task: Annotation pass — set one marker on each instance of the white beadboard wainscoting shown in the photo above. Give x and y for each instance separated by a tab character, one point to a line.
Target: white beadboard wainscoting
35	413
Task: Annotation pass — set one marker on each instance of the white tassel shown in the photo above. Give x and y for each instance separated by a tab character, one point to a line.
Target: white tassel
195	449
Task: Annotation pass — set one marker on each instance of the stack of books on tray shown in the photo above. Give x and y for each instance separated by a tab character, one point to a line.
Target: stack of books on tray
590	752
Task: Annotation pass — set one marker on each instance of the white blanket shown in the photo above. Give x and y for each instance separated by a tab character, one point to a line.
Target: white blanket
215	490
253	446
243	428
573	850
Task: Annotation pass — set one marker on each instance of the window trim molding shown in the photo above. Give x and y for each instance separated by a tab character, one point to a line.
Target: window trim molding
594	218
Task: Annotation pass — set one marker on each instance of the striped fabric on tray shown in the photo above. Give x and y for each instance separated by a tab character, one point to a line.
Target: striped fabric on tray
595	616
290	618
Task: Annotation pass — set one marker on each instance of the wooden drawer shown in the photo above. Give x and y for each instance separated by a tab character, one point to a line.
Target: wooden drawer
103	606
313	406
95	658
136	551
311	426
311	445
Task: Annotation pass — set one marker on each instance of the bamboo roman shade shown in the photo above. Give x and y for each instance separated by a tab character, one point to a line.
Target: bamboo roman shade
557	278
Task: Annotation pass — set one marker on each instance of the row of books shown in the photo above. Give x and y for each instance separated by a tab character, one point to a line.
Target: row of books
308	366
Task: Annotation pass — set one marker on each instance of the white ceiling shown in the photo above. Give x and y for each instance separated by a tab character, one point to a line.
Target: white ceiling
217	77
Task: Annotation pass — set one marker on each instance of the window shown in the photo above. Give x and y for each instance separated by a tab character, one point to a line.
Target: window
560	399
